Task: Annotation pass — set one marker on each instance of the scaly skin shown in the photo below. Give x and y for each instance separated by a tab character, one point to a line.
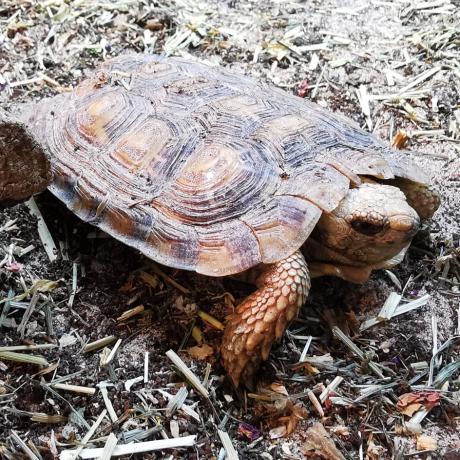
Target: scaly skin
263	316
421	197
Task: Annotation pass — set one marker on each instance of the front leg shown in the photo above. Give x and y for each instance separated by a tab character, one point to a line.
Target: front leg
263	316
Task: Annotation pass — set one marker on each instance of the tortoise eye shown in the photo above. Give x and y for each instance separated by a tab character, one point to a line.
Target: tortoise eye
366	227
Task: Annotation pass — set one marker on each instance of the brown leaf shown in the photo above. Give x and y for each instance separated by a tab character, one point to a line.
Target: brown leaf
411	409
200	352
408	403
298	412
319	443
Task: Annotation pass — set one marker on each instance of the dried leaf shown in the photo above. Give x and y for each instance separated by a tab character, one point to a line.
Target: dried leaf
411	409
200	352
409	403
297	413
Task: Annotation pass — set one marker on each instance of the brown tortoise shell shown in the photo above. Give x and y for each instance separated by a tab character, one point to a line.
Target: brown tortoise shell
200	168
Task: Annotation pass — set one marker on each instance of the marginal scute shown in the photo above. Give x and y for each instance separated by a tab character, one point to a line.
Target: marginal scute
200	168
287	222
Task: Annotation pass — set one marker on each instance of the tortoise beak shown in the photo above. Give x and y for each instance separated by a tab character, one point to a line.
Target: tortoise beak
407	225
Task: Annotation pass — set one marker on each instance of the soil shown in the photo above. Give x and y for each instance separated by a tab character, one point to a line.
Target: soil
357	44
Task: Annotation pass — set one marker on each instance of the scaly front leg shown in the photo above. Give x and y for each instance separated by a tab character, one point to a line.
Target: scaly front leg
263	316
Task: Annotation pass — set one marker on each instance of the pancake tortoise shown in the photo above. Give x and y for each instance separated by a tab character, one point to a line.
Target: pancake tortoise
203	169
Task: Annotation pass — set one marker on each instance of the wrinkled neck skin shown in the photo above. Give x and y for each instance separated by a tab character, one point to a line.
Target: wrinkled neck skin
324	261
371	228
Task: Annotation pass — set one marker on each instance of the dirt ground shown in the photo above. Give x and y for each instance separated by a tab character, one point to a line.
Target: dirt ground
389	66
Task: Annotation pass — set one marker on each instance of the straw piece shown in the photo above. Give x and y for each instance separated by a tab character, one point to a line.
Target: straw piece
23	446
109	447
130	313
74	388
23	358
400	310
389	307
43	232
100	343
41	346
74	285
216	324
188	374
73	455
176	401
6	307
146	367
228	446
129	449
45	418
109	359
28	314
108	404
355	349
169	280
305	349
330	388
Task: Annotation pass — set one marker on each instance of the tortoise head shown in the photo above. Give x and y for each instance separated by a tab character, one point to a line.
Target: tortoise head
372	226
24	165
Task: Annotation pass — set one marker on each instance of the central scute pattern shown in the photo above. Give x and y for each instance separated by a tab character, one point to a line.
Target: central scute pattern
199	168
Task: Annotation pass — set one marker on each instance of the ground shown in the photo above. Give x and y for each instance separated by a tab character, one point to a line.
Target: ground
392	67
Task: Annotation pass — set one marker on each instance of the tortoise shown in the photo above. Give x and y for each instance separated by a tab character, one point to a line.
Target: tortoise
203	169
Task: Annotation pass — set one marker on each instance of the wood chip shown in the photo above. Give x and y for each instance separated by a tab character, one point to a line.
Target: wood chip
320	443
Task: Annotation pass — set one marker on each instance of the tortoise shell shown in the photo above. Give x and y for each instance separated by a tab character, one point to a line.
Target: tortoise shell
200	168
